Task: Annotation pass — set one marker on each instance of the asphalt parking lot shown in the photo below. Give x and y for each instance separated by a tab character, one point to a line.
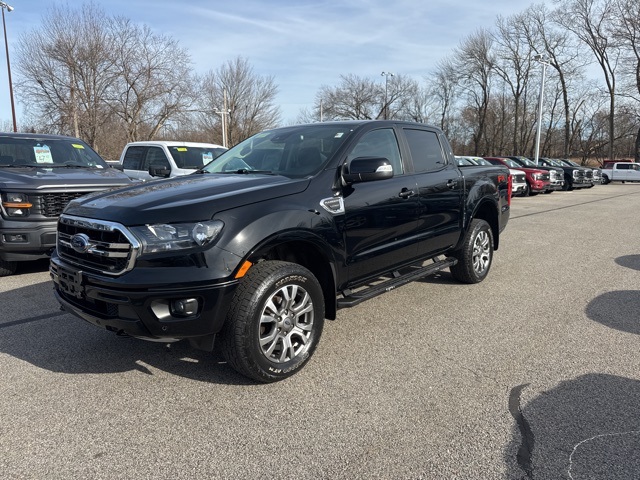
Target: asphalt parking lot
532	374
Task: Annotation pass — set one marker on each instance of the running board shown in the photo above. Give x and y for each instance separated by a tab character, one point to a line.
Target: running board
351	298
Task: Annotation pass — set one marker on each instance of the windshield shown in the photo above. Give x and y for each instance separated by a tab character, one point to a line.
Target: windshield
511	163
525	162
48	153
296	151
195	157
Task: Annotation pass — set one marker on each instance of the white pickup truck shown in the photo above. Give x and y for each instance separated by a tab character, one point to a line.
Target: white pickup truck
146	160
621	172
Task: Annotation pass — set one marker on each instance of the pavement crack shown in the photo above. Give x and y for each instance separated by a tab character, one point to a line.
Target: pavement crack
526	446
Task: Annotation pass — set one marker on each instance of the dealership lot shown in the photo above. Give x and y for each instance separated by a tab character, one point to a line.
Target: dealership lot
533	373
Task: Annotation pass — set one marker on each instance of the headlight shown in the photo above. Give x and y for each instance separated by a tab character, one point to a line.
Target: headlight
177	236
537	176
16	204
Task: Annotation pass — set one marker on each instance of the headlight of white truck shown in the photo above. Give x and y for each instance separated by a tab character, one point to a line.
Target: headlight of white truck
177	236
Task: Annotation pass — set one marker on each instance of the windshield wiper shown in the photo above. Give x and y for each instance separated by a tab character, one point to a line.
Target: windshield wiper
246	171
67	165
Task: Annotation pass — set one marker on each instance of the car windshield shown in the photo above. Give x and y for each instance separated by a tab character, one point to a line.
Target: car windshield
195	157
511	163
296	151
47	153
525	162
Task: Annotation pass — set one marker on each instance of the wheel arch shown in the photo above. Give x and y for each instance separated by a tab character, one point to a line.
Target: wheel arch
487	211
308	251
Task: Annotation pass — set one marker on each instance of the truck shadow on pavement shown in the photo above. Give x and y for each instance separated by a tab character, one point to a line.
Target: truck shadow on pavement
57	341
588	427
585	428
629	261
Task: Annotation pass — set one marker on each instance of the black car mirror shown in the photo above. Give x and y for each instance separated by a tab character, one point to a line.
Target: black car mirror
367	169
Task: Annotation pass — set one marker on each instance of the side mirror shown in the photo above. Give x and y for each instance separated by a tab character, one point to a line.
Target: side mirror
367	169
117	166
159	172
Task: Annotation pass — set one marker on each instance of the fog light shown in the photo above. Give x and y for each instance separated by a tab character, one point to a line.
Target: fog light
184	307
15	238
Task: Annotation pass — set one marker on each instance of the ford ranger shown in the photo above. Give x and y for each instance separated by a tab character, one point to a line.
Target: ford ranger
259	247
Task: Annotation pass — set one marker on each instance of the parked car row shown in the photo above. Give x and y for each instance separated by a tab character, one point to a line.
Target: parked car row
546	176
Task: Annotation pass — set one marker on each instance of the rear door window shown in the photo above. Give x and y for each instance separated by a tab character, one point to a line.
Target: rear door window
425	148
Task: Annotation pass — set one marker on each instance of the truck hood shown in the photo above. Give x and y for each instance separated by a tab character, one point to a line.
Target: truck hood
41	178
191	198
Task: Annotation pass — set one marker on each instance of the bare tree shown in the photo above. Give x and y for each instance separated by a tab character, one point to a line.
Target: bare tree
443	88
513	65
592	22
627	32
65	69
474	60
153	80
355	98
247	100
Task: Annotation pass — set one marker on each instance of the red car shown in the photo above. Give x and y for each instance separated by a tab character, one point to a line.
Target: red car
537	180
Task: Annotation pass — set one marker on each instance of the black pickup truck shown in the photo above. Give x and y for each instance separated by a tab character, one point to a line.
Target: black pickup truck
39	175
261	245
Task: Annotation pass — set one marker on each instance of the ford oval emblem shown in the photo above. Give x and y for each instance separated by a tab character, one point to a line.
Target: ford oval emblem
80	242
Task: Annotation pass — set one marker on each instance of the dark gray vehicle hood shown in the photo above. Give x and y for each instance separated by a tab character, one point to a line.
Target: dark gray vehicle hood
27	179
190	198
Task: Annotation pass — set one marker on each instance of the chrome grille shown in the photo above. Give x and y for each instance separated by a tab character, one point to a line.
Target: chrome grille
96	245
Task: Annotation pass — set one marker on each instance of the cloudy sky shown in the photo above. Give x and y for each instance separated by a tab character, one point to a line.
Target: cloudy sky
303	44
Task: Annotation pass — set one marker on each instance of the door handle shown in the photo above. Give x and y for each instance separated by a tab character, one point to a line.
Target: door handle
406	193
451	183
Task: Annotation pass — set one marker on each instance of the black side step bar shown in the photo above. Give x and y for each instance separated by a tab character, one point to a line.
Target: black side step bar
351	299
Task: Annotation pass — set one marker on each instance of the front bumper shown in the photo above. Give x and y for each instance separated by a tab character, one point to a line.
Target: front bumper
556	186
26	240
586	183
141	312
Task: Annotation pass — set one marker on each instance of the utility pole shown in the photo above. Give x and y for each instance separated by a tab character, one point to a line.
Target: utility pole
223	116
545	63
386	76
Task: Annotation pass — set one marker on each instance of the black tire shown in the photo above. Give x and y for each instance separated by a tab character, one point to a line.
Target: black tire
263	337
604	180
7	268
476	254
526	191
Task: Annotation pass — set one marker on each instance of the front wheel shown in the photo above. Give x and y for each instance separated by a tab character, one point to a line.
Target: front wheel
476	254
275	321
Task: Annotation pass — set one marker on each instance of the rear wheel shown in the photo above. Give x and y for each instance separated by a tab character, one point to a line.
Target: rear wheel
7	268
476	254
275	321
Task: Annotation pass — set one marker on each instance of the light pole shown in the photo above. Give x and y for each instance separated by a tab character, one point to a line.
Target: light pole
9	8
386	76
542	59
223	116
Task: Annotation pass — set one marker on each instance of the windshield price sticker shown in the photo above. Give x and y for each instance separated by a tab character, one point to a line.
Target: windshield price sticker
207	157
77	145
43	154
